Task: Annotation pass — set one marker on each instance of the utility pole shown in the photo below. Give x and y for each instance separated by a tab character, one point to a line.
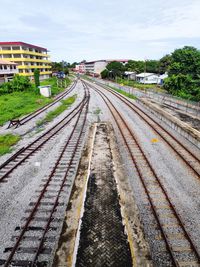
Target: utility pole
145	69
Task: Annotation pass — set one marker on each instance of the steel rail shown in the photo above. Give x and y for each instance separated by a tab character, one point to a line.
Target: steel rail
134	108
61	124
34	210
42	109
61	188
176	214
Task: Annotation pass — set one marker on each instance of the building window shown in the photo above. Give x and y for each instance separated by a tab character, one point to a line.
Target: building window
6	48
15	48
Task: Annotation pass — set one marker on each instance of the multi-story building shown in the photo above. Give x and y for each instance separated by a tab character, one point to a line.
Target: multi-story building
80	68
7	70
28	57
96	67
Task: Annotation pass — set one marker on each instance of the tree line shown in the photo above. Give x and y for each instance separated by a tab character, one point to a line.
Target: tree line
182	66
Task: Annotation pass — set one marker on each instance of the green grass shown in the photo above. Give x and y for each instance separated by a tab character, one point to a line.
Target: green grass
54	113
124	93
140	86
53	82
17	104
6	142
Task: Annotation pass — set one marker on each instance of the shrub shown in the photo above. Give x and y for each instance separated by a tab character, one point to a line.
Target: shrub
18	84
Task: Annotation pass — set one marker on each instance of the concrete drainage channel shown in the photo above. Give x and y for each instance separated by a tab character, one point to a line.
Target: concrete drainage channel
102	226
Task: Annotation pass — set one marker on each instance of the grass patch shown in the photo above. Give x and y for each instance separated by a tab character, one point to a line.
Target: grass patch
55	89
140	86
124	93
17	104
54	113
6	142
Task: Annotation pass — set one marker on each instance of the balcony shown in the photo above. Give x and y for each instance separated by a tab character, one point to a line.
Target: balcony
23	52
29	60
9	71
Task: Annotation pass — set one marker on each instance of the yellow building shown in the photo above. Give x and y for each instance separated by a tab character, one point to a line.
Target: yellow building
28	57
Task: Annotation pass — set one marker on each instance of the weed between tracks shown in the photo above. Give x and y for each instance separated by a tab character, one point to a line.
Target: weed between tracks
54	113
6	142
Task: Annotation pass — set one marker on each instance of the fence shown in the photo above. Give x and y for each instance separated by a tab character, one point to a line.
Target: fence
185	105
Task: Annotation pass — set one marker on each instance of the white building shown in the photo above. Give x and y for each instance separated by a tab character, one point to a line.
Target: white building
161	78
96	67
130	75
150	78
80	68
7	70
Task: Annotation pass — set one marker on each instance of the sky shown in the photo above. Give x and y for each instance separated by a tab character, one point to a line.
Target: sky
76	30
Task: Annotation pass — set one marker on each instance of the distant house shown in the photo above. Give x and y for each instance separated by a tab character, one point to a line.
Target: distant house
162	77
7	70
131	75
150	78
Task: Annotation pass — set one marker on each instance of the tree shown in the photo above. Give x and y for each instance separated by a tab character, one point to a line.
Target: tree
66	71
164	63
60	66
134	65
116	68
185	61
104	74
184	73
73	65
152	66
37	77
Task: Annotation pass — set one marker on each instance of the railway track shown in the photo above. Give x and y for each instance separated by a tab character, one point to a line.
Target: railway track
189	158
180	247
34	241
24	153
18	122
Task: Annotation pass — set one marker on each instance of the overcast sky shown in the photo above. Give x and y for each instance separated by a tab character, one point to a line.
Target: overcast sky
74	30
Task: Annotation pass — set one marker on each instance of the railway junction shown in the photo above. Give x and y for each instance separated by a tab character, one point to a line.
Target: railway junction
111	182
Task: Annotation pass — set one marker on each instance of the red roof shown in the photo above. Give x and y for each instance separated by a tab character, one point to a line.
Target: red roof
107	60
24	44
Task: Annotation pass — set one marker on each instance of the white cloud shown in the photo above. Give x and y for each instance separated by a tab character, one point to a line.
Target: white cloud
89	29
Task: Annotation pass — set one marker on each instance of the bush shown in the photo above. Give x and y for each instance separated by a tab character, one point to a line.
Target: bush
183	86
18	84
104	74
